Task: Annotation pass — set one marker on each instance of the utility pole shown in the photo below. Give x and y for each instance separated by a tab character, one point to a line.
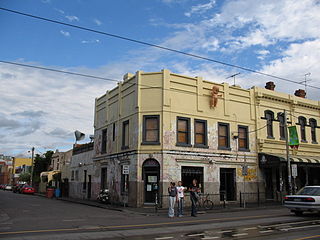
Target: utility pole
287	152
32	166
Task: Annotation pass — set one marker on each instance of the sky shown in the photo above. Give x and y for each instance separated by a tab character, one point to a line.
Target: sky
43	109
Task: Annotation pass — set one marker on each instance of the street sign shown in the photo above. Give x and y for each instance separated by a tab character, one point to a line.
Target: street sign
294	170
125	169
244	170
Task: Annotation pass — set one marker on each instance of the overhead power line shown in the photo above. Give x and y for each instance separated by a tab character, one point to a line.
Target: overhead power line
155	46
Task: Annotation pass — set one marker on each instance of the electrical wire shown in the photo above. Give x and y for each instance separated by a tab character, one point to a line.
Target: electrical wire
155	46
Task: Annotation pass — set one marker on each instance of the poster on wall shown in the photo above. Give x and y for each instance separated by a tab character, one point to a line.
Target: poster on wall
152	179
149	188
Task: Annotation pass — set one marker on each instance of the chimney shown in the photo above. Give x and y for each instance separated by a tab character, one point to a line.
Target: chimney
270	86
300	93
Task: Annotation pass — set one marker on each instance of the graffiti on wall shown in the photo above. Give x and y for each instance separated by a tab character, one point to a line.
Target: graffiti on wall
252	174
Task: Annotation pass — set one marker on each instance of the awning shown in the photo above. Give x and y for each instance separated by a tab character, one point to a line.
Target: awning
267	159
49	174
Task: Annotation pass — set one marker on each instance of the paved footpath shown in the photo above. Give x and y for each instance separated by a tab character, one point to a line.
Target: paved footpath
34	217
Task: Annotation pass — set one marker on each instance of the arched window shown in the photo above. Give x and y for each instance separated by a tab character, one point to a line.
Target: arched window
313	125
269	116
281	125
303	122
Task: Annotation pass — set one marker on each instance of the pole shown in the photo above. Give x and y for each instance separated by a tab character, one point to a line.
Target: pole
244	182
32	163
287	152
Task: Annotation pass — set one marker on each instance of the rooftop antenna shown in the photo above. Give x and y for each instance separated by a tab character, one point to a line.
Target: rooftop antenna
234	78
305	81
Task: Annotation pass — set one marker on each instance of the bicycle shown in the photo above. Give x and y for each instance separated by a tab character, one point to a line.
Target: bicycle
204	201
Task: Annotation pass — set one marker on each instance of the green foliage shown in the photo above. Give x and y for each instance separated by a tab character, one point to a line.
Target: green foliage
41	164
25	177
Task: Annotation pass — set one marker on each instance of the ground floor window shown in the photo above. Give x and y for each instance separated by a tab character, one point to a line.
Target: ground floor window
190	173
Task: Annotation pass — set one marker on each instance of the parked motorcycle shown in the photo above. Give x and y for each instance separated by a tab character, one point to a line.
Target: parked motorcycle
104	196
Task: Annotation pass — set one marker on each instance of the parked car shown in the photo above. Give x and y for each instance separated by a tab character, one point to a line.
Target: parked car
2	186
16	187
306	200
8	187
27	189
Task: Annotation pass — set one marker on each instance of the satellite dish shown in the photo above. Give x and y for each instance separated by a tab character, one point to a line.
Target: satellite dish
79	135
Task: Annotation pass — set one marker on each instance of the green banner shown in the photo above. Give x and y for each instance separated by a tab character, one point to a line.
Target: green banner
293	136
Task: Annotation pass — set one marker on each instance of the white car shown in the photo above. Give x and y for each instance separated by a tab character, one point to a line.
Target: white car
8	187
307	199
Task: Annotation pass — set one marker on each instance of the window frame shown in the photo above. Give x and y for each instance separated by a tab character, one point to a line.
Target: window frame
144	130
104	140
205	134
227	125
313	128
123	146
188	143
247	148
113	131
282	128
302	121
269	124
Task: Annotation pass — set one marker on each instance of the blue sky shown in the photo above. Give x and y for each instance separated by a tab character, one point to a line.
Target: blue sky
42	109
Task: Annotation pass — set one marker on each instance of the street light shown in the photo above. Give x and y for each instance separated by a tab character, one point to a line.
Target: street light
32	156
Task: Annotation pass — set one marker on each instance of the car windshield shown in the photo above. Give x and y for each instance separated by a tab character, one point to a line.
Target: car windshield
312	191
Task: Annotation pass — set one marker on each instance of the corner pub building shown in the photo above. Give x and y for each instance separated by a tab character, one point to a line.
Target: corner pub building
159	127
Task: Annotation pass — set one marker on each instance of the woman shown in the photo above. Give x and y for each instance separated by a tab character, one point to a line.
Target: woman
194	191
172	190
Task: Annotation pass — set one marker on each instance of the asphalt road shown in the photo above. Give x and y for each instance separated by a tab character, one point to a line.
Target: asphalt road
33	217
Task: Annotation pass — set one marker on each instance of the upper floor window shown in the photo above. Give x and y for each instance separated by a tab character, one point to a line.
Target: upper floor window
303	122
104	141
223	136
313	125
281	126
183	131
243	138
200	133
114	131
125	134
269	116
151	129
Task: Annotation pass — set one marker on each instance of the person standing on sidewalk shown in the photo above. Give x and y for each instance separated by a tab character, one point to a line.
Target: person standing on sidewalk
180	190
194	196
172	190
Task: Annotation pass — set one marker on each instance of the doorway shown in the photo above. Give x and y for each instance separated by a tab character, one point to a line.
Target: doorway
269	183
227	184
104	179
89	187
151	174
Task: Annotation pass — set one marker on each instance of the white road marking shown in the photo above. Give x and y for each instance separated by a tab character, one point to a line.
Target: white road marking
239	234
292	228
288	223
266	231
161	238
226	231
195	235
250	228
207	238
72	220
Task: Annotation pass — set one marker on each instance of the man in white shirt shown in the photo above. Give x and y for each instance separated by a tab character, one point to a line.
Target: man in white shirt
180	190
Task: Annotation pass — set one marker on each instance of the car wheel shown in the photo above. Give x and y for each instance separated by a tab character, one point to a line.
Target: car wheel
298	213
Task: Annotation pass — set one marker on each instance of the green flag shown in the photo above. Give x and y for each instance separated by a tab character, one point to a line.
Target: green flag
293	136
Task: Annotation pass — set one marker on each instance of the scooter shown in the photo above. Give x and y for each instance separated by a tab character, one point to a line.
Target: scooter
104	196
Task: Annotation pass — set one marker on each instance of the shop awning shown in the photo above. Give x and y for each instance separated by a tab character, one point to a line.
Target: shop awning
266	158
49	174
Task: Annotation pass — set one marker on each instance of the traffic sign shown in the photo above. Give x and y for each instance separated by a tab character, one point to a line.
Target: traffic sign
125	169
294	170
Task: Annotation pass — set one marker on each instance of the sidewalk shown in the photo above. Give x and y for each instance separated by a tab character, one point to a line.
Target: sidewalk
152	211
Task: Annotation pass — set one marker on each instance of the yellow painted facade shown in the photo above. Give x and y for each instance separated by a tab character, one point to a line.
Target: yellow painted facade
170	96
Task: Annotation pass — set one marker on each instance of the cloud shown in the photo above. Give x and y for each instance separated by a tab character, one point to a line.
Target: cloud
72	18
97	21
90	41
30	113
201	8
59	10
59	132
65	33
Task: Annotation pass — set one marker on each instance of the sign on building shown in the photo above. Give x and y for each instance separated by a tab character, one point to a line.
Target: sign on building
125	169
294	170
244	170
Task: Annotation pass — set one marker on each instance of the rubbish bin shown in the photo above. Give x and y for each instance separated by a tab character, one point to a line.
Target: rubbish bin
57	193
50	192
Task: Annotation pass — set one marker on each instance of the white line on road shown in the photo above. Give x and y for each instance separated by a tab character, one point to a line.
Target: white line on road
266	231
226	231
239	234
162	238
292	228
195	235
288	223
250	228
72	220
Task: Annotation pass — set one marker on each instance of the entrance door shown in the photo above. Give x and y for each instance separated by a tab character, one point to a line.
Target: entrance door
269	183
89	187
104	179
151	170
227	184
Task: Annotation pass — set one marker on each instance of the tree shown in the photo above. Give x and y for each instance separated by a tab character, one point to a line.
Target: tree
41	164
25	177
